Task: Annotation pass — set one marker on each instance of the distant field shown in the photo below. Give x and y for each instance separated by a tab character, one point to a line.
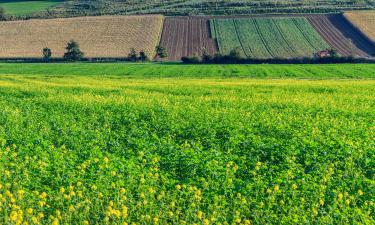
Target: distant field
342	36
21	7
267	37
187	36
208	7
105	36
150	70
364	21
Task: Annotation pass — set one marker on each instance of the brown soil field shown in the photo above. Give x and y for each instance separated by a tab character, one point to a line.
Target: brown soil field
104	36
342	36
363	21
187	36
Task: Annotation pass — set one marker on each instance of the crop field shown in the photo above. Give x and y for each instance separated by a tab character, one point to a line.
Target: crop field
364	21
186	36
105	36
342	36
94	149
267	37
22	7
207	7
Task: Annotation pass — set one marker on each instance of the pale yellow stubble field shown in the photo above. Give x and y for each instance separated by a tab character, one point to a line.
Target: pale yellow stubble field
104	36
364	21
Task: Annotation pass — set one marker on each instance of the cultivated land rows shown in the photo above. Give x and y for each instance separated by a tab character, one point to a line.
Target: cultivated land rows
342	36
185	36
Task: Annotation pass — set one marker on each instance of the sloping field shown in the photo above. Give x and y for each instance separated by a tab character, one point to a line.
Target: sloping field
186	36
107	36
267	37
364	21
342	36
26	7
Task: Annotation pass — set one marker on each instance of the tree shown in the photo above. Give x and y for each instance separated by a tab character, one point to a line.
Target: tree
235	54
133	55
73	52
206	57
47	53
2	14
142	56
161	52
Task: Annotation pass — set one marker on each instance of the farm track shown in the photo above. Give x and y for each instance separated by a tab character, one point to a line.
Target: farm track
186	36
341	35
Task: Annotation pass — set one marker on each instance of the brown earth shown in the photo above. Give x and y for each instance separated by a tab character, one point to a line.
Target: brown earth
341	35
187	36
102	36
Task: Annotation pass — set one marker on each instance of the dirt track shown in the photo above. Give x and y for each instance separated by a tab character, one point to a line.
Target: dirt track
341	35
186	36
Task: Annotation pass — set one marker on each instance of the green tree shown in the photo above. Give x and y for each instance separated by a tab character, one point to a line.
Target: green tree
132	56
47	53
2	14
161	52
73	52
142	56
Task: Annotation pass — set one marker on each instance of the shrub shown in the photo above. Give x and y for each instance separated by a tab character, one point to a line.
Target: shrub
73	52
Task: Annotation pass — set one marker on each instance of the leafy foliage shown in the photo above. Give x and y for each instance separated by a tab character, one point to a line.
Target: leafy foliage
206	151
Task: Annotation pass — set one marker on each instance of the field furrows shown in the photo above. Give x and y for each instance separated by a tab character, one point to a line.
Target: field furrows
340	35
186	37
105	36
268	37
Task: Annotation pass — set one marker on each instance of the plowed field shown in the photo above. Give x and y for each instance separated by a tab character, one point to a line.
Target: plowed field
187	36
104	36
342	36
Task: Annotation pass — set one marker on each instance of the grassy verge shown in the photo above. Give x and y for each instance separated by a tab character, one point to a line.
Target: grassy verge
366	71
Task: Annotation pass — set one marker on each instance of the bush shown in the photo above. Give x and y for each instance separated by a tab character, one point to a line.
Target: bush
47	53
73	52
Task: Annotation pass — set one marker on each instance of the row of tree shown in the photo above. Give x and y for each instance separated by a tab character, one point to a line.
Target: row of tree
74	53
235	57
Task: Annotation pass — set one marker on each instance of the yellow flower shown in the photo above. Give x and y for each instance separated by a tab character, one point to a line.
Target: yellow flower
106	160
43	195
156	220
55	222
238	220
34	220
340	195
347	202
294	186
360	192
13	216
40	215
247	222
29	210
85	222
200	215
321	202
276	188
62	190
178	187
122	190
206	222
71	208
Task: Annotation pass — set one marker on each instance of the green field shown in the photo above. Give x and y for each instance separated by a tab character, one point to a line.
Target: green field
208	7
267	37
133	70
100	144
22	7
